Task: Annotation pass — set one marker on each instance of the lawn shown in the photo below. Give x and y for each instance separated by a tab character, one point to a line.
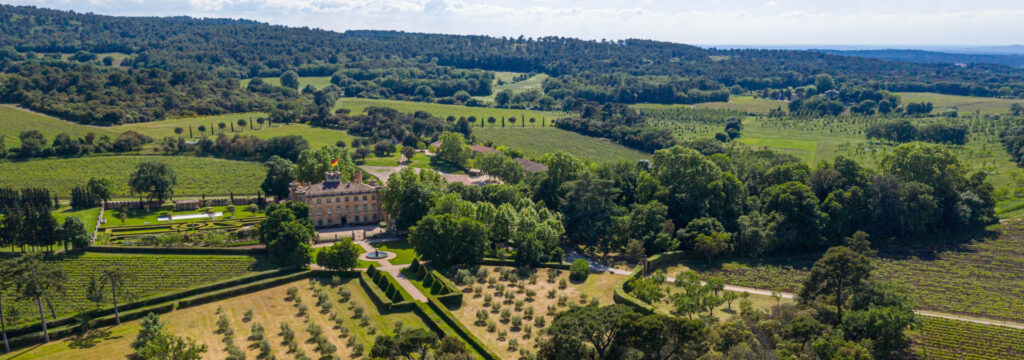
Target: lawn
143	217
148	275
596	286
196	175
404	253
748	104
88	216
963	104
14	120
164	128
270	309
535	142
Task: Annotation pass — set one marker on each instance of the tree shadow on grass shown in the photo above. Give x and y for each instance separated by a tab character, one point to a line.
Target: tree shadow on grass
91	338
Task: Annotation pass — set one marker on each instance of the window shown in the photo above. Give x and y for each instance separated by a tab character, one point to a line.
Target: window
338	209
317	201
337	199
357	218
320	222
364	197
346	199
328	210
319	211
346	208
364	207
374	217
373	197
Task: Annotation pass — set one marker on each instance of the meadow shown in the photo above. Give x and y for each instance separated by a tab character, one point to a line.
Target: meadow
963	104
535	142
143	217
88	216
196	175
14	120
533	82
358	105
270	308
317	81
147	276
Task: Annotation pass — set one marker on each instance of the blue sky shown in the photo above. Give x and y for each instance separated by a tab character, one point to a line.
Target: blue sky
891	23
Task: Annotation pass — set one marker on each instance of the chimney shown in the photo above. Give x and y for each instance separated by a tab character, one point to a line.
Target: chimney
358	178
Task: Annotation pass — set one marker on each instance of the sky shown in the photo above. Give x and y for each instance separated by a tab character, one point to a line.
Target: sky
811	23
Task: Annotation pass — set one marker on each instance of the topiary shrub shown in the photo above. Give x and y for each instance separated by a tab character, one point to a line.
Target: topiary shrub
579	270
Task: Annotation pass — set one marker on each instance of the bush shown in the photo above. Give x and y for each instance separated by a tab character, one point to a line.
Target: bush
579	270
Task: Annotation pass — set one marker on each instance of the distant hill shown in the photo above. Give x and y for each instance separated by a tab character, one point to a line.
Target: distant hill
934	57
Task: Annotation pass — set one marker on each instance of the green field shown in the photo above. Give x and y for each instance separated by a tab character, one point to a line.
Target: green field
317	81
15	120
148	275
747	104
88	216
534	82
196	175
963	104
358	105
534	142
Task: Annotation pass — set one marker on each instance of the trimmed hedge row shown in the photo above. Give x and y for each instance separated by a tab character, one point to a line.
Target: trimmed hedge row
175	251
461	329
38	327
440	286
385	291
138	311
512	263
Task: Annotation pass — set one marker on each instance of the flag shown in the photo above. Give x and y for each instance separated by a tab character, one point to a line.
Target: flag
334	162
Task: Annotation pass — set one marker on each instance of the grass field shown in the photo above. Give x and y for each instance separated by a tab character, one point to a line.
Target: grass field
534	142
196	176
14	120
317	81
315	135
88	216
148	275
534	82
270	309
358	105
963	104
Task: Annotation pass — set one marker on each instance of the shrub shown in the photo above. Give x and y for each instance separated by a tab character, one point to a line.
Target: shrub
517	321
539	321
491	326
552	293
579	270
247	316
562	284
528	312
506	315
357	350
257	331
481	317
293	293
502	334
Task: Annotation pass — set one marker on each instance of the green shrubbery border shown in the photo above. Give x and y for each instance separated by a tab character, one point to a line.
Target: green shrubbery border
457	325
512	263
385	291
436	283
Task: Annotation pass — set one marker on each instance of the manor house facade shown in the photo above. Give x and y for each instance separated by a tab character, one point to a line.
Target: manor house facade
335	203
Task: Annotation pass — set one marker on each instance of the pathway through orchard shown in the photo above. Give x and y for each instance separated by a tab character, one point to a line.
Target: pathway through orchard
595	266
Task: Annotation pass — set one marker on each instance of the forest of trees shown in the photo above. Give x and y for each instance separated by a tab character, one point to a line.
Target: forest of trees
244	49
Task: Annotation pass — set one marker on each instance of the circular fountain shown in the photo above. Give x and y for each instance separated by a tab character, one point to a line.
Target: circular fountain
376	254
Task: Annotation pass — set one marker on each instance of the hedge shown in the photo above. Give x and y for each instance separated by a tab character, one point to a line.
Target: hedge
175	250
385	291
136	311
436	283
461	329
